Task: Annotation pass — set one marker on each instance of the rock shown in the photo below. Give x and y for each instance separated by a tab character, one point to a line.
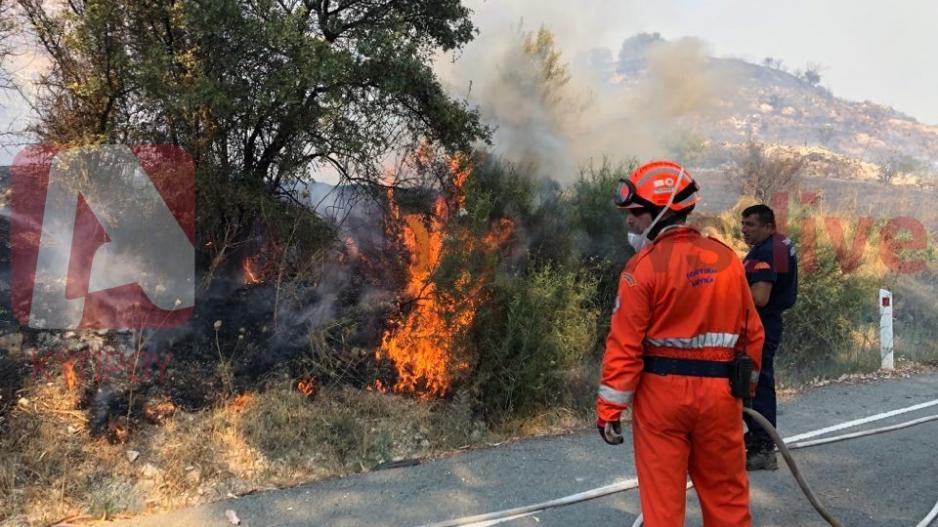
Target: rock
71	429
132	455
232	517
23	402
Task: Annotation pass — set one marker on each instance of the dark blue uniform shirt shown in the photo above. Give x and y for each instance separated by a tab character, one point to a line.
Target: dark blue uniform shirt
774	260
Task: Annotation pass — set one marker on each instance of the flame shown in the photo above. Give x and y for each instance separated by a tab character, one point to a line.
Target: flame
308	386
460	169
70	373
240	402
421	343
250	275
498	234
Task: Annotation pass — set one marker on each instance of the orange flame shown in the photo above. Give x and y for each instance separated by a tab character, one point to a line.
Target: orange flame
421	343
308	386
250	275
460	169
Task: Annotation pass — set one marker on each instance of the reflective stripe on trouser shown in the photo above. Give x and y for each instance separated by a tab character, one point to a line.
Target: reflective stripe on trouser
690	425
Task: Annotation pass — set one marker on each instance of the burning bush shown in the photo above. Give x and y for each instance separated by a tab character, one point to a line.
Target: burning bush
539	296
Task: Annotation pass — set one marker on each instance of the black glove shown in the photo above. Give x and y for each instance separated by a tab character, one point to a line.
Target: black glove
611	432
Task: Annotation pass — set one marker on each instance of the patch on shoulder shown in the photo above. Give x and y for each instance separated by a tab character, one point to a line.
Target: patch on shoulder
628	279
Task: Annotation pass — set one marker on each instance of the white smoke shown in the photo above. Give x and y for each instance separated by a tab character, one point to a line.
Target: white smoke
558	127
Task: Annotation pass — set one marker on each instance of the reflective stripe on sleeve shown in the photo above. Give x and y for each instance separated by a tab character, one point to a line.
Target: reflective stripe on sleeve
615	396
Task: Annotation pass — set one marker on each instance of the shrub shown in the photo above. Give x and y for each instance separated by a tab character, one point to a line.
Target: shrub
537	334
825	328
828	329
761	174
534	329
602	234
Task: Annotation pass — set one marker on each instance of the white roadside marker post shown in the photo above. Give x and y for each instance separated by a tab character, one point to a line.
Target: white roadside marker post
885	330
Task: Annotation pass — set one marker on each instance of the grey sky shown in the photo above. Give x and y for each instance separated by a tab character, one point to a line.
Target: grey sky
884	52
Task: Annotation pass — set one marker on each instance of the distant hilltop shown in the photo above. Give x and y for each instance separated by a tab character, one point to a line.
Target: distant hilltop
775	105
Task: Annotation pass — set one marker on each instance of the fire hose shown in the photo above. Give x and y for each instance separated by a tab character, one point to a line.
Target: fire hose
797	441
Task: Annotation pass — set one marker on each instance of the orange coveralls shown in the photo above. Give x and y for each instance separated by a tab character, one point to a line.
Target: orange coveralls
683	297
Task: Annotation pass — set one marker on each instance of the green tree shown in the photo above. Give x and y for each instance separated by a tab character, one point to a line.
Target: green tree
257	91
541	49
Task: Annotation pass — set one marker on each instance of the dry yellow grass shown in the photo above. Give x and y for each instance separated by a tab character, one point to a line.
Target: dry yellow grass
52	469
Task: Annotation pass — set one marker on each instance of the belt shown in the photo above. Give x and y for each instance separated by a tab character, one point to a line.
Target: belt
689	367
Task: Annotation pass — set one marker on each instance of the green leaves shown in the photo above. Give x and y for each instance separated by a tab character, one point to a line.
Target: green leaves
257	91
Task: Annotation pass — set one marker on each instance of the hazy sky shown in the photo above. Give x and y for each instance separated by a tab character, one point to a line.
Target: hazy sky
885	52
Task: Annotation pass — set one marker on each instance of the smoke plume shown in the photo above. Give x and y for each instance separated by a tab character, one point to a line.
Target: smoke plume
556	112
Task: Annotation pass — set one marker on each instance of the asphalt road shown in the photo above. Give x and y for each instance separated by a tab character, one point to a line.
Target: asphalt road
884	480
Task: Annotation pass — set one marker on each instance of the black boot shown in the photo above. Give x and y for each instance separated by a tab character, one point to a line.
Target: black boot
761	457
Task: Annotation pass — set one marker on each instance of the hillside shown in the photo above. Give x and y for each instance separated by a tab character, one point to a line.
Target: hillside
773	105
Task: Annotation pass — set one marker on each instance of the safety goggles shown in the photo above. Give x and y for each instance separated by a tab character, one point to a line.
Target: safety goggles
625	193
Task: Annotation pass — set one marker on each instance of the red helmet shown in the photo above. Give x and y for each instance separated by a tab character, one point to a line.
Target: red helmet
652	185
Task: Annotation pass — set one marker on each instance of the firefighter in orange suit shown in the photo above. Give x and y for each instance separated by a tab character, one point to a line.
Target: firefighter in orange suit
683	314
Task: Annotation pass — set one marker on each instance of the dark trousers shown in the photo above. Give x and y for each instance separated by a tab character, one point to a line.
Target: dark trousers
764	401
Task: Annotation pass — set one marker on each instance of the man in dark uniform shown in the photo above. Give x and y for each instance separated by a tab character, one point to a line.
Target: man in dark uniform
772	272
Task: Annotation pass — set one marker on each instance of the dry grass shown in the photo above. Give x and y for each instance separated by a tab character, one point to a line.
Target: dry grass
52	469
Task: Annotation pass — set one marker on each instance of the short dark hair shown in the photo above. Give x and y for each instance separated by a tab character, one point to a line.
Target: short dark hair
763	212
